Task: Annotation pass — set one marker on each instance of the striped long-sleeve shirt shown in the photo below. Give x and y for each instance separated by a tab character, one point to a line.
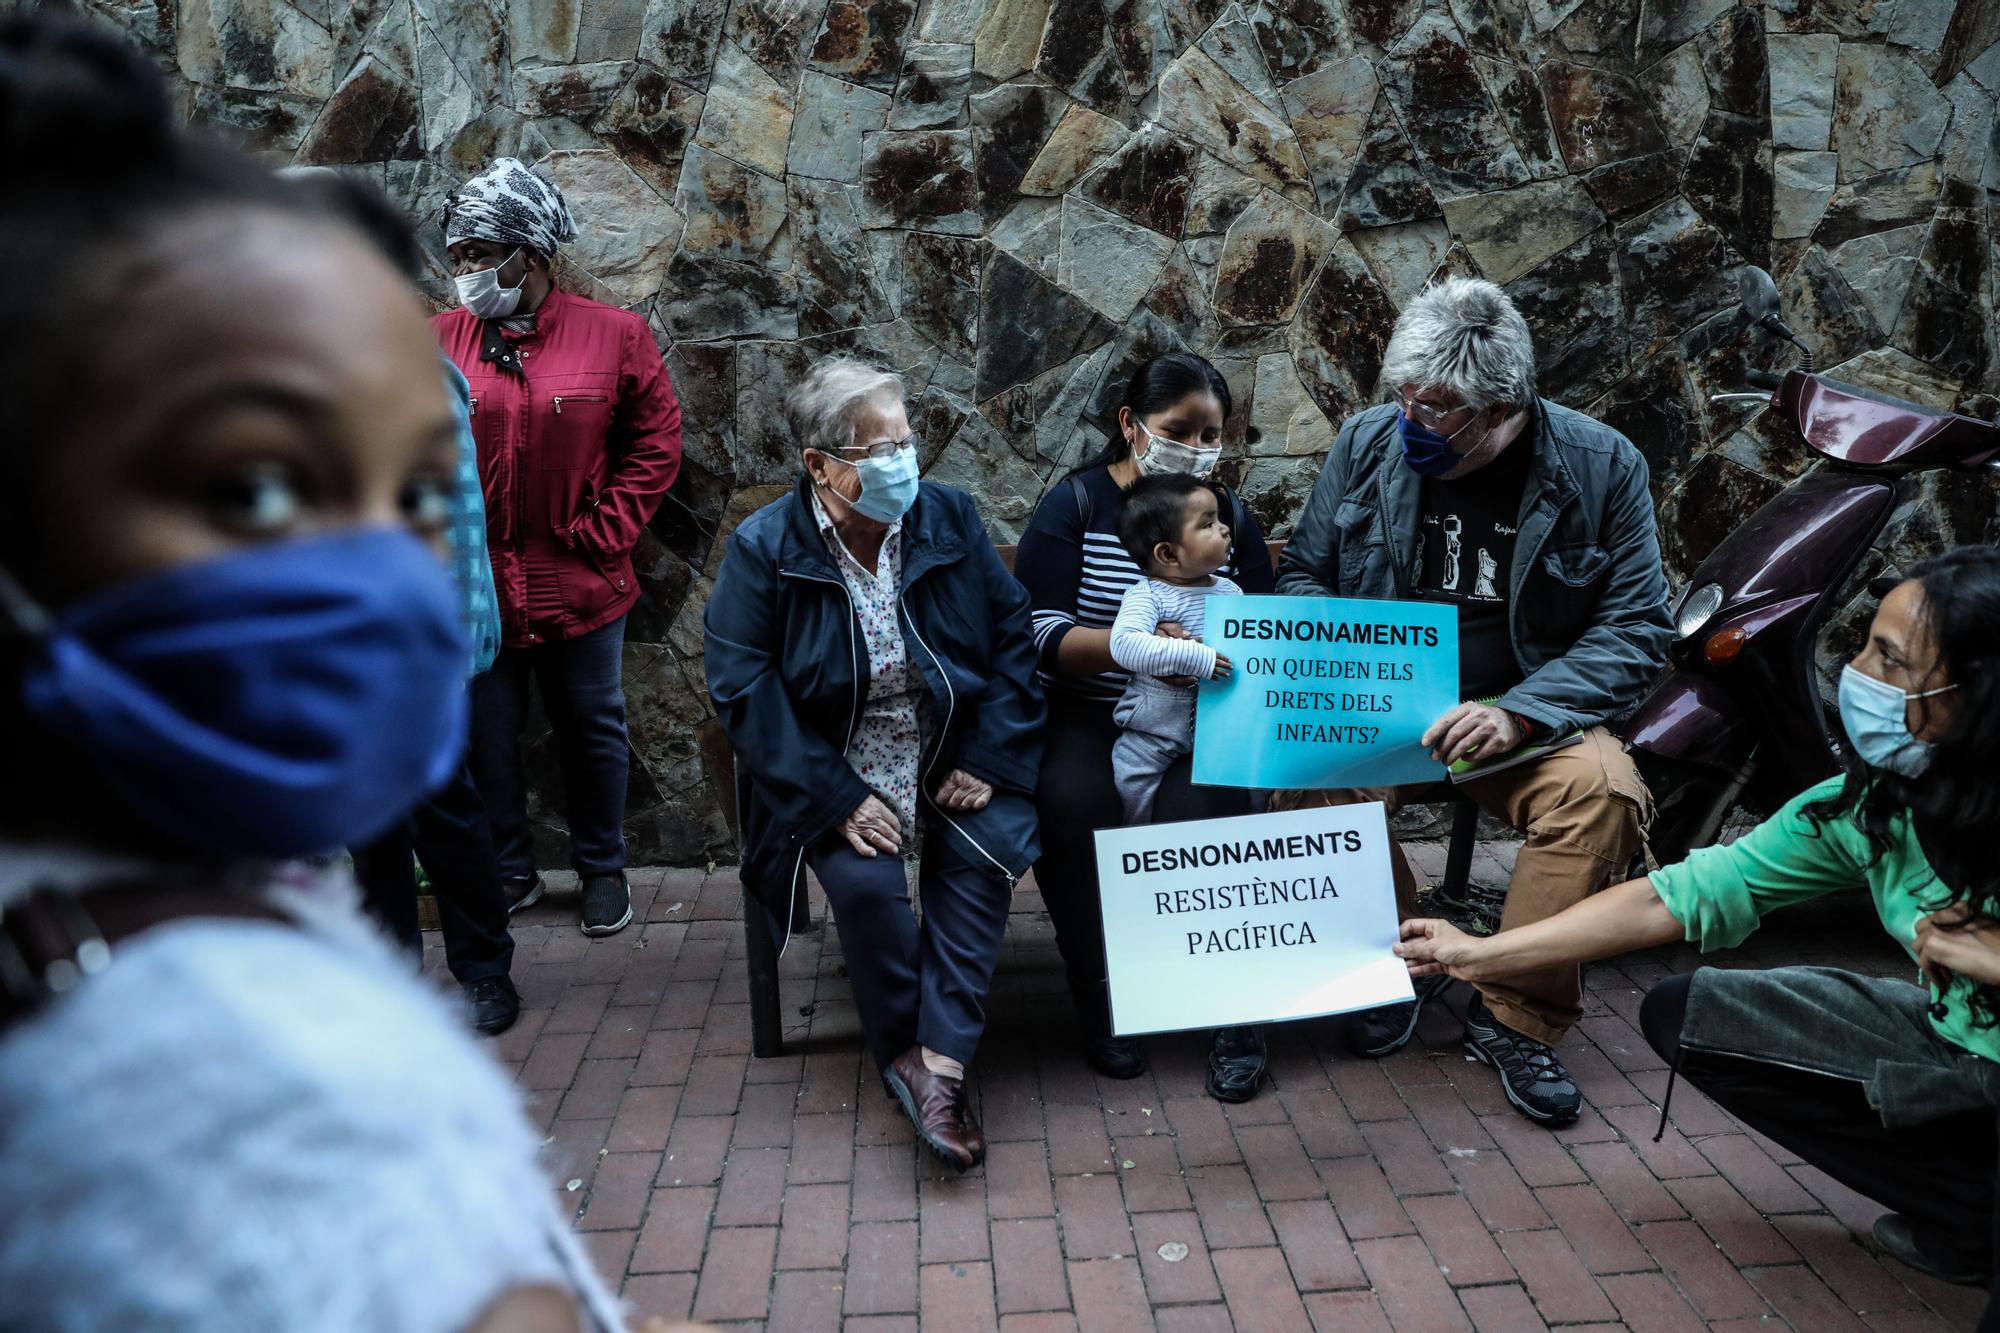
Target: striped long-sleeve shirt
1076	572
1136	647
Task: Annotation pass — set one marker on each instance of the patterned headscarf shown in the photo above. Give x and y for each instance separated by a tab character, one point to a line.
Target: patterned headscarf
510	205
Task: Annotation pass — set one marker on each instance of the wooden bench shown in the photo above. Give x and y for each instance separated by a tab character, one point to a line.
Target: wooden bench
767	1026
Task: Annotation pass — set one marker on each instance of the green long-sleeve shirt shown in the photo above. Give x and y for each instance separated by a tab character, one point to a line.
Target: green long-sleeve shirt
1719	894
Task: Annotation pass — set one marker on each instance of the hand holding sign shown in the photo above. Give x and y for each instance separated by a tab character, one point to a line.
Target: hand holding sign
1432	948
1327	692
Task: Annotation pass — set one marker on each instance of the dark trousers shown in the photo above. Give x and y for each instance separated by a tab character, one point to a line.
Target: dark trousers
915	983
1939	1174
1075	797
581	689
448	834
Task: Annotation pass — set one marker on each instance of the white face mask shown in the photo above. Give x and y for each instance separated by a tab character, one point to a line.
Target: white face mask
1165	457
481	293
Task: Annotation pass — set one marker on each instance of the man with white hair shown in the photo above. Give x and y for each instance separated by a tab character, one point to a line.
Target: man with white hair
1537	524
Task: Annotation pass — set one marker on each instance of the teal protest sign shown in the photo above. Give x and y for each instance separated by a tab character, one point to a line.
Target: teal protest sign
1326	692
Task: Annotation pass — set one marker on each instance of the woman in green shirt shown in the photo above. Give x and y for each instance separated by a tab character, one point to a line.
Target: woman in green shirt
1888	1087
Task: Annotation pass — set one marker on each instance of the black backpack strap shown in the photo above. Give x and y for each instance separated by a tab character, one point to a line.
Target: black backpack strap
1084	509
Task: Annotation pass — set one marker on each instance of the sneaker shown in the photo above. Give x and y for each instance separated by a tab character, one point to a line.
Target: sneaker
495	1004
1531	1076
1374	1033
1114	1057
1237	1062
607	904
1901	1240
521	892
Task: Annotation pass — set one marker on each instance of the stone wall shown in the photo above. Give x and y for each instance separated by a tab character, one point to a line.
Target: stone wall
1013	201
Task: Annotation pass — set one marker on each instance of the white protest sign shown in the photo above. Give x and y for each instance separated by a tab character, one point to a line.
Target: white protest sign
1260	918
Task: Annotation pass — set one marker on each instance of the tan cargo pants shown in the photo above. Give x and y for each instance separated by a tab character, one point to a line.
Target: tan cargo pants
1583	809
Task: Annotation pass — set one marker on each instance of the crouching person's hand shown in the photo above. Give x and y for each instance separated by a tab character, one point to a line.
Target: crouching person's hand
1432	947
1959	942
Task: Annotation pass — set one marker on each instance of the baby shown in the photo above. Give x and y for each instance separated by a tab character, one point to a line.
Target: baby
1171	528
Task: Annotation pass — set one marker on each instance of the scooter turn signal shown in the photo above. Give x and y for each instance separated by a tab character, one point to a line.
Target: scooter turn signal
1723	645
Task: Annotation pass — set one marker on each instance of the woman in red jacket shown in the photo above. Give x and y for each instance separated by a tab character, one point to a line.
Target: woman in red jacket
579	438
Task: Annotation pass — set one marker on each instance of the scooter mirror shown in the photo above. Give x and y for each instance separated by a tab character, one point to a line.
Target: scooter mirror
1759	295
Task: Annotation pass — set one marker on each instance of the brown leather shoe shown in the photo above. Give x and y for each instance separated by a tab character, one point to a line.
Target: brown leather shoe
975	1137
935	1105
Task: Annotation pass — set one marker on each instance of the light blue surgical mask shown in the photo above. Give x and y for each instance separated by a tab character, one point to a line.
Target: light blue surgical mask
888	485
1875	716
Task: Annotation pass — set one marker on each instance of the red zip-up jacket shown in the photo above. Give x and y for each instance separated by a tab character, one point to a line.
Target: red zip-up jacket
575	454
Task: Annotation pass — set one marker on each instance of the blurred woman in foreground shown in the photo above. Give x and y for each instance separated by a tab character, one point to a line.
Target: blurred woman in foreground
226	641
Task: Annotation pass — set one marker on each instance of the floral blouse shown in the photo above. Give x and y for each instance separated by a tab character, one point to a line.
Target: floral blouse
887	749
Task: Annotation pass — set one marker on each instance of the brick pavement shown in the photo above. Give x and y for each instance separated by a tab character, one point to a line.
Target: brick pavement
788	1194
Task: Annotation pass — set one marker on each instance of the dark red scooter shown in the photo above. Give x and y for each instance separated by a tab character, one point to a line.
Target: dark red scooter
1738	721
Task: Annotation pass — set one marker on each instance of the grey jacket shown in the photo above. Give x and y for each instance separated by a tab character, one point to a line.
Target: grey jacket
1588	603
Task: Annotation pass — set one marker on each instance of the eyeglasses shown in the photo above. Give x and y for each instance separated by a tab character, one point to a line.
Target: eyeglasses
881	449
1424	414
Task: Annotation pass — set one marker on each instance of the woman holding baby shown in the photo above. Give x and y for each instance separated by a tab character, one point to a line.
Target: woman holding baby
1078	571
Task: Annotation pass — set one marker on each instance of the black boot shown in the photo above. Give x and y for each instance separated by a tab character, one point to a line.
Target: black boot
1927	1250
495	1004
1111	1056
1237	1062
1374	1033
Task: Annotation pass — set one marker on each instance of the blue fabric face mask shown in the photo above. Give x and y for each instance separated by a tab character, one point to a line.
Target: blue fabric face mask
1425	451
281	700
1875	716
888	485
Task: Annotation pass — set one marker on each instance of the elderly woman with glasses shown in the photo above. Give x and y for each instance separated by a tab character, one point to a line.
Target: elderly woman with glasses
871	660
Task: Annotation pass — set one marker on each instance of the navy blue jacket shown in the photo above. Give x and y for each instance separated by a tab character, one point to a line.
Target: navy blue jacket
788	670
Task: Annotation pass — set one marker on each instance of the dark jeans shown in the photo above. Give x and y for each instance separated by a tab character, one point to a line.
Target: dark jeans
1077	796
1939	1174
448	834
915	982
585	700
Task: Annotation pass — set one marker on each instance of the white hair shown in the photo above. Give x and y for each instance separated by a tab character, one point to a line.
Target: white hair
820	409
1464	336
